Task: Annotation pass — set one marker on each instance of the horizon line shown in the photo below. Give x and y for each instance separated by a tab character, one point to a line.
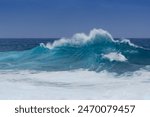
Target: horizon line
62	37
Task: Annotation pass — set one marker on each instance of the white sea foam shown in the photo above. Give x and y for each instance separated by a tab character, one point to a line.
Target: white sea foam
79	84
80	38
115	56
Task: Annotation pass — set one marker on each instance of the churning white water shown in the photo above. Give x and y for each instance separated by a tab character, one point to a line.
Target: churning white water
78	84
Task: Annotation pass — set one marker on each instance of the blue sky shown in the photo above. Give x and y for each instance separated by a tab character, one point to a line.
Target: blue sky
63	18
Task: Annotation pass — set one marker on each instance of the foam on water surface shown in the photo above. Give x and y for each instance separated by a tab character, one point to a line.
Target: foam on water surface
78	84
114	56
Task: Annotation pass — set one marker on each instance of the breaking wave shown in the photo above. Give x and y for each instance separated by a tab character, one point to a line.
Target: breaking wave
97	51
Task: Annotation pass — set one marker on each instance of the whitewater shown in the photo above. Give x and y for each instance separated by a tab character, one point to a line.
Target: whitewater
93	66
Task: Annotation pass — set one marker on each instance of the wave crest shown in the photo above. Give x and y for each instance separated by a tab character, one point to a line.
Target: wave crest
81	38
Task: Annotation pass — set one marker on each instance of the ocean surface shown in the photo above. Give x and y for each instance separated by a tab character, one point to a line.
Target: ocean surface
85	66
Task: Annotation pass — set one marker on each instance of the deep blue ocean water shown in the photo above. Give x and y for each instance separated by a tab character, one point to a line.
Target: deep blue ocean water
19	44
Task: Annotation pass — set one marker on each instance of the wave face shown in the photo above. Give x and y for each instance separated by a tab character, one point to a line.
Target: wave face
97	51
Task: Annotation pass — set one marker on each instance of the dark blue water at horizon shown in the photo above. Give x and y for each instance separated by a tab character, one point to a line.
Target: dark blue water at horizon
16	44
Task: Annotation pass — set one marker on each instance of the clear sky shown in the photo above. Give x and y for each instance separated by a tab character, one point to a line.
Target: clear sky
63	18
